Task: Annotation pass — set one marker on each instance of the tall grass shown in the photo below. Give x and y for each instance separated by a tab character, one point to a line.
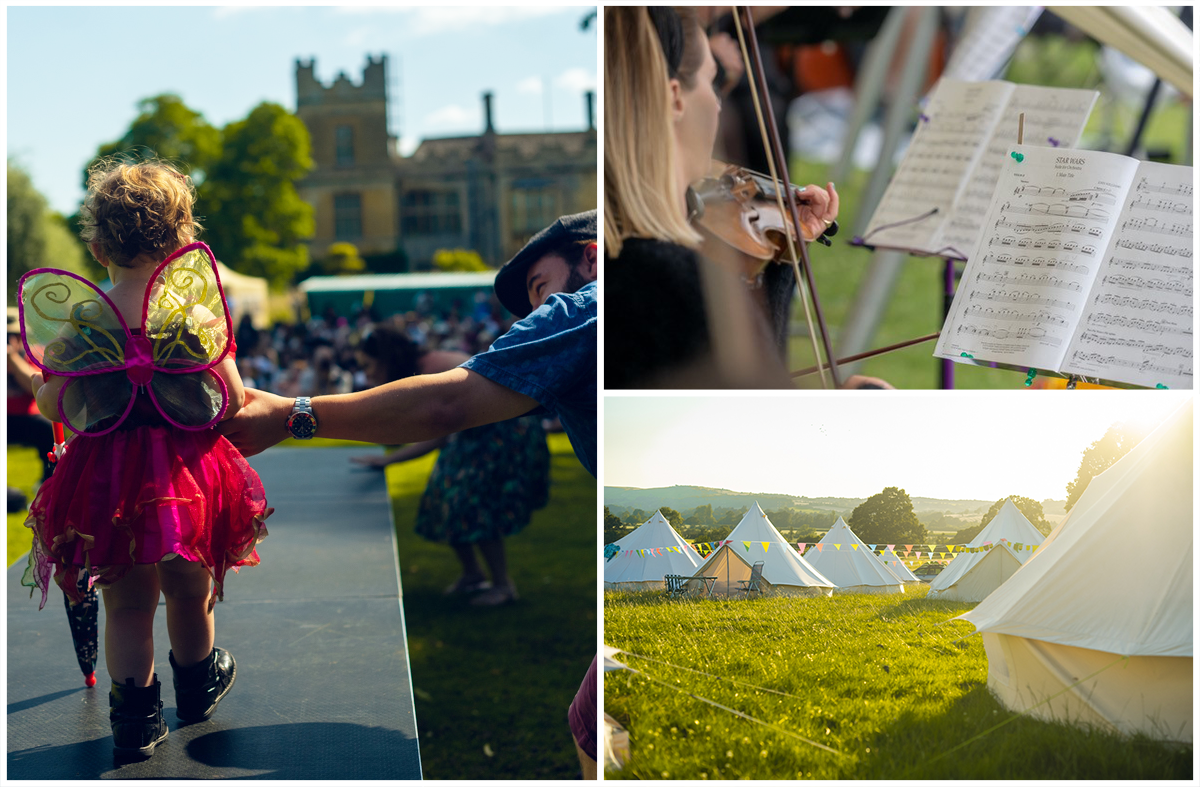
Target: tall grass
888	682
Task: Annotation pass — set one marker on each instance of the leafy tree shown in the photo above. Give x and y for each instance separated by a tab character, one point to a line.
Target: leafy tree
1101	455
458	260
168	129
702	516
636	517
614	528
1032	510
672	516
39	237
26	229
255	218
342	259
731	517
887	518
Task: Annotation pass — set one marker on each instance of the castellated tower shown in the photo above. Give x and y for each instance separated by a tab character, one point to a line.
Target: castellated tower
352	186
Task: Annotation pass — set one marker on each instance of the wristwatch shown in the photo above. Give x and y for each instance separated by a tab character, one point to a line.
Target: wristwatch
302	423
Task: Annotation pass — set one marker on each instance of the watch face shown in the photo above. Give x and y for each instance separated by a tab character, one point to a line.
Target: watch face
302	425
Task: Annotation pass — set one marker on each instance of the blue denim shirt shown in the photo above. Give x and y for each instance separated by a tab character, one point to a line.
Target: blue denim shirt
550	356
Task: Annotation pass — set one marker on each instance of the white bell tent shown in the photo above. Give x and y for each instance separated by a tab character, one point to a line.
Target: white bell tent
755	538
971	576
1102	635
647	555
847	562
895	564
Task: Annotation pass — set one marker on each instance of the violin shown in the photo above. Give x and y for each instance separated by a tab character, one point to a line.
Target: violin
739	207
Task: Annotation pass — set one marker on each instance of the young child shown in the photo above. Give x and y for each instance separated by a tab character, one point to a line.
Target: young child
147	497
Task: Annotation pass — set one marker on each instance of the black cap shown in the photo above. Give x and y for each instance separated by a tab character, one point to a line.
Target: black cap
510	279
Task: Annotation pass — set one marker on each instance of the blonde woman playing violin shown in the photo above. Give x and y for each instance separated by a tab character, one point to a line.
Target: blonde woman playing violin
661	120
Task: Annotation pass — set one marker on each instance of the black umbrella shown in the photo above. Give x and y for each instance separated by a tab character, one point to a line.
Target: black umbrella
83	617
84	630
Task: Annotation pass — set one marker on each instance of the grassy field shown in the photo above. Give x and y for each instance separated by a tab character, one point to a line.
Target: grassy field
885	681
492	685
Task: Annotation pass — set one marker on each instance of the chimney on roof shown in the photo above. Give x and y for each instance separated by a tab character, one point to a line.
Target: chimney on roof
487	113
589	98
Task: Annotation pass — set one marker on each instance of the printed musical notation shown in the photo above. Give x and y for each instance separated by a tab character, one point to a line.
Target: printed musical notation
1095	250
1155	248
1146	186
1141	302
1031	280
1152	224
1123	282
1035	333
1101	361
1040	317
1021	296
1143	305
1034	262
1162	205
1043	243
1150	267
1152	327
1057	209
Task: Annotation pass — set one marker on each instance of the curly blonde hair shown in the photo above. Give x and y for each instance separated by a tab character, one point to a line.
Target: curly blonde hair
143	208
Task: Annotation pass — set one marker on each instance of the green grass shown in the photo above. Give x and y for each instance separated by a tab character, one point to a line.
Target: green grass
24	471
503	676
885	681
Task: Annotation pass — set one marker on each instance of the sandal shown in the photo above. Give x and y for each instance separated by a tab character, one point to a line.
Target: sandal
496	596
462	585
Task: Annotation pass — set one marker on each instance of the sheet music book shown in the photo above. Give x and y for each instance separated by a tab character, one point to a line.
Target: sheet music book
938	198
1084	267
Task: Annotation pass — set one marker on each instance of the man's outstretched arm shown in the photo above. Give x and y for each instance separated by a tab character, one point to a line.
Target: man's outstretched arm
417	408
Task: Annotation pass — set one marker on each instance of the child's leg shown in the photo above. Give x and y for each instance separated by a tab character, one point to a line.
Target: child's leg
129	606
187	587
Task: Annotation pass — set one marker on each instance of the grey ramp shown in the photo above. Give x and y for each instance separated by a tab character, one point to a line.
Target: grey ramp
323	687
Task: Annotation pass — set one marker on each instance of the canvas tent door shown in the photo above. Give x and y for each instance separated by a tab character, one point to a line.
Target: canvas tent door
989	571
730	569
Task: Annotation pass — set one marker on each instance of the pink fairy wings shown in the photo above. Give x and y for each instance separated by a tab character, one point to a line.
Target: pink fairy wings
71	328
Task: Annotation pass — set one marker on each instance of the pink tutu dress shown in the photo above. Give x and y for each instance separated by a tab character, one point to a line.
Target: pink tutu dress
145	478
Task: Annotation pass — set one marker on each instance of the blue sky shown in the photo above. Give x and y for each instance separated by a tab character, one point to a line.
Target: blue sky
76	74
968	445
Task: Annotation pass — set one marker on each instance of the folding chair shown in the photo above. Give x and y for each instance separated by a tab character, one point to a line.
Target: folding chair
675	584
751	585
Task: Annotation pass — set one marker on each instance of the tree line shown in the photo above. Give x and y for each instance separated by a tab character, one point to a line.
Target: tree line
884	518
245	174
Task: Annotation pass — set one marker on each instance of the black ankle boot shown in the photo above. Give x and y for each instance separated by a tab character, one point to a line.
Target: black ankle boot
200	687
136	717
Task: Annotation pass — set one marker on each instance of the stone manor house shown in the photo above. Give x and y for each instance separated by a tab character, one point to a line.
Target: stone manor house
489	192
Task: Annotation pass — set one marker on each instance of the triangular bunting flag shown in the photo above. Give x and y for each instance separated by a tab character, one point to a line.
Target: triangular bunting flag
766	545
747	545
839	547
891	547
855	547
908	547
821	548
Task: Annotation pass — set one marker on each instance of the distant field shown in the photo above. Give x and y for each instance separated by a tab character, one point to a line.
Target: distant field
887	682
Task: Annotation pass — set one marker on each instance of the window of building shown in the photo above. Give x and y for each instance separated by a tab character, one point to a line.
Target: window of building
533	209
347	217
429	212
344	146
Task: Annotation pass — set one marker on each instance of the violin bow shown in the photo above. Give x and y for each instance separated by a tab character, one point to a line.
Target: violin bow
801	264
